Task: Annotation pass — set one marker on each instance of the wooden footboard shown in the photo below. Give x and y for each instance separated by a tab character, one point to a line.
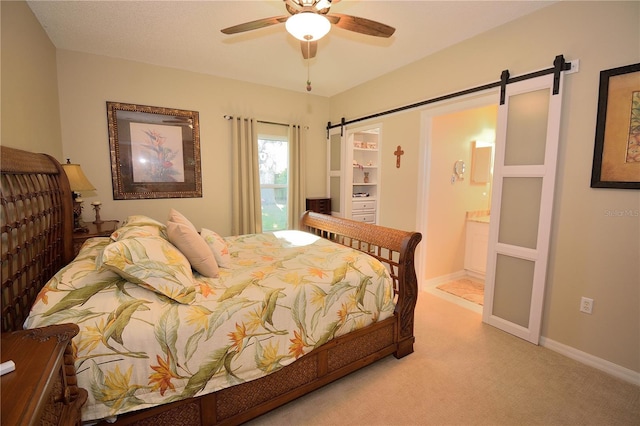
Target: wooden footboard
394	248
241	403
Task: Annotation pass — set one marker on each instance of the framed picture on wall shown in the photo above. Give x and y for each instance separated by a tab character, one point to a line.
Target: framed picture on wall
616	158
155	152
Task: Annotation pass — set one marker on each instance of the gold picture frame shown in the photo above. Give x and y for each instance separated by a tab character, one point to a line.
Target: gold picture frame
155	152
616	158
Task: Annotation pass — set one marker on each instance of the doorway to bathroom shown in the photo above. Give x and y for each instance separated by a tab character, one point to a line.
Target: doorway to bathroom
459	142
527	142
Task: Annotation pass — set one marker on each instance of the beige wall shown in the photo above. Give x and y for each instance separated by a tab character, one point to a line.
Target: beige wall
593	253
87	82
30	109
451	137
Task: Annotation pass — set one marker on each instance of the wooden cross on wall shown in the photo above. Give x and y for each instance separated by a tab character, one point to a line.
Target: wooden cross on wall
398	153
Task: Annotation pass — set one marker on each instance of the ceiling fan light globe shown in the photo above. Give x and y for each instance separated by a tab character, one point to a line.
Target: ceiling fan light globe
308	26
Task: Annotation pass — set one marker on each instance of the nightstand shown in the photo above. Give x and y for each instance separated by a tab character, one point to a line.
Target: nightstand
319	205
103	229
43	388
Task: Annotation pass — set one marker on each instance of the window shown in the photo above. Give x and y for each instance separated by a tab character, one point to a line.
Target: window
273	161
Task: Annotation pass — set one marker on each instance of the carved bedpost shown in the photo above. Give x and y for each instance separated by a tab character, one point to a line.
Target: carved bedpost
408	296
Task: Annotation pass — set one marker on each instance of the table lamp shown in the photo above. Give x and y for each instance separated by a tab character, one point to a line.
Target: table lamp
78	182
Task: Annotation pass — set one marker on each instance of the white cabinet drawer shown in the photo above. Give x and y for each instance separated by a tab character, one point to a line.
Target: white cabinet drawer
363	205
367	217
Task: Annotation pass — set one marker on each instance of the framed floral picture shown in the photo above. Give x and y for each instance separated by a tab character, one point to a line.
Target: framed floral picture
616	158
155	152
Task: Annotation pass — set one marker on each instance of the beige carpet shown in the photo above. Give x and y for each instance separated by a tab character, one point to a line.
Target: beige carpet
464	372
466	288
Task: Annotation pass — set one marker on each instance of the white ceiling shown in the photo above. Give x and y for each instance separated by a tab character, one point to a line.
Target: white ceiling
186	35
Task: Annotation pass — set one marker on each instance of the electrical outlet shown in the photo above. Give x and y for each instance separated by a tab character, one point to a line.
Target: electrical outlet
586	305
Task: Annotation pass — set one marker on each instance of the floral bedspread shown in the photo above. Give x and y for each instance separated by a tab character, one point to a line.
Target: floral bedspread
283	295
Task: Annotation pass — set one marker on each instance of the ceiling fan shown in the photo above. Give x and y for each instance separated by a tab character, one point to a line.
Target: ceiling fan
310	20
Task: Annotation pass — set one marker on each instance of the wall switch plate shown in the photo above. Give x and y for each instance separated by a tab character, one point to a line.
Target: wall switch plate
586	305
575	66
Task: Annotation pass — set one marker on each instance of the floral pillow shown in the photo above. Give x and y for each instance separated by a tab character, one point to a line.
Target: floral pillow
153	263
139	226
218	246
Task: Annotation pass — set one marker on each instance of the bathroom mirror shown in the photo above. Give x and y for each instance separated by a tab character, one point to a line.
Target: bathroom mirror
481	157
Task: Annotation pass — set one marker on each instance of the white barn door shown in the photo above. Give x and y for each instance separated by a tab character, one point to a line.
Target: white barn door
521	210
336	171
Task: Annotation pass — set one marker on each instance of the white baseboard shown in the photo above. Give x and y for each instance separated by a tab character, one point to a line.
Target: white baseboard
475	275
615	370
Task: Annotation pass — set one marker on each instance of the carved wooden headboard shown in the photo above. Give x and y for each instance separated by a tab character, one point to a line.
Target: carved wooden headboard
37	227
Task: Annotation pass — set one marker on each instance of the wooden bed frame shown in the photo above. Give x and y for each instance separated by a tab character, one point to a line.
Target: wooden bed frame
36	236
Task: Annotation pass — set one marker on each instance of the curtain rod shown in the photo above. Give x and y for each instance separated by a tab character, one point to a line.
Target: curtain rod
559	65
229	117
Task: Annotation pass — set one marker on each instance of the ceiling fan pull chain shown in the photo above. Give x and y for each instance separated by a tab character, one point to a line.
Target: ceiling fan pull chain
308	66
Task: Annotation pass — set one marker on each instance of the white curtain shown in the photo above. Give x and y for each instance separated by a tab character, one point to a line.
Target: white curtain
246	207
296	196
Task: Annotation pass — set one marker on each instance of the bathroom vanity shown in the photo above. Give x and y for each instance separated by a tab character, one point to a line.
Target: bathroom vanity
476	244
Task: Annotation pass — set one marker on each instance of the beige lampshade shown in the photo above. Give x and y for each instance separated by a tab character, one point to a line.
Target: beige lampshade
77	179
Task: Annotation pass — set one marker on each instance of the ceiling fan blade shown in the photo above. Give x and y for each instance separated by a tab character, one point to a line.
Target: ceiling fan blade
309	49
254	25
361	25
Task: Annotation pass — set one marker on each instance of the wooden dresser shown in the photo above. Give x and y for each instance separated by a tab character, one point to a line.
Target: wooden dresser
43	388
